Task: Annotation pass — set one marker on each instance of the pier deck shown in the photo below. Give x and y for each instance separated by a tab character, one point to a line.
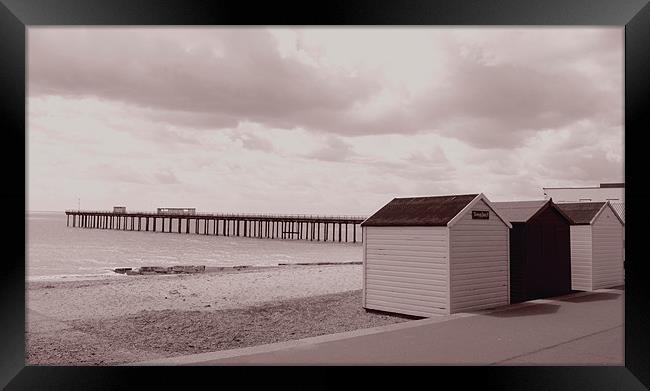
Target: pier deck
263	226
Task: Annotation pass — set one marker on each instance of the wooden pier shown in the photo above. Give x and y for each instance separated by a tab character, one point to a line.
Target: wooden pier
263	226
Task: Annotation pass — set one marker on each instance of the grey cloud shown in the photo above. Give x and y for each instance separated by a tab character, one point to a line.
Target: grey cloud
166	177
589	165
120	173
218	78
497	106
250	81
253	142
334	150
115	173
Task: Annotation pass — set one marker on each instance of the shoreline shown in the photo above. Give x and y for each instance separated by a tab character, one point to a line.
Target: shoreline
109	273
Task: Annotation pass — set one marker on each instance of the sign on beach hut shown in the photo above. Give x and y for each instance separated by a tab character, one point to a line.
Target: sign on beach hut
428	256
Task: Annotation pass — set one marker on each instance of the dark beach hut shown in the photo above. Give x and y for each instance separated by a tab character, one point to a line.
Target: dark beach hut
540	252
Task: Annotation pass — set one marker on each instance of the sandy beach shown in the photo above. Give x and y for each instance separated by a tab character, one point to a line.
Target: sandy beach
124	319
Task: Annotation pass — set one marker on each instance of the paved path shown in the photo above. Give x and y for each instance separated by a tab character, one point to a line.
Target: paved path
577	329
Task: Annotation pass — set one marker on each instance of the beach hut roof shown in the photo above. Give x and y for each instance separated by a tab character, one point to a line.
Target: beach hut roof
425	211
583	213
519	211
435	211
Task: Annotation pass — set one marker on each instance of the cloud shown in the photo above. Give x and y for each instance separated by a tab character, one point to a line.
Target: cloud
473	87
252	141
334	150
116	173
166	177
248	120
183	83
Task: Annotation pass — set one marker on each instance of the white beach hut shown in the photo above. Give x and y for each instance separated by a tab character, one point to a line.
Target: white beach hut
439	255
596	245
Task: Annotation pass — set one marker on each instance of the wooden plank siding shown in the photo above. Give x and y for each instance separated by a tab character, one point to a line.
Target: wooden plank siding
406	270
479	264
607	261
581	257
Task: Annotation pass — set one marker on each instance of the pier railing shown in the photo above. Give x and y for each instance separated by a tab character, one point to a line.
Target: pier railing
256	225
221	215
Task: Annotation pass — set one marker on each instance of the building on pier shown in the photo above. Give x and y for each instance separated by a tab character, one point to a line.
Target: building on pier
177	211
119	209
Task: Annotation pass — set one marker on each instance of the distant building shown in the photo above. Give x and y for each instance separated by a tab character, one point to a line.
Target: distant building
177	211
119	209
612	192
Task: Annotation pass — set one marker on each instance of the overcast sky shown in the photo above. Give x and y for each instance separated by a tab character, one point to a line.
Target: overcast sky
335	121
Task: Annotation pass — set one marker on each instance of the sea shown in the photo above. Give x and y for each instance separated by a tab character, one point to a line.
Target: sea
58	252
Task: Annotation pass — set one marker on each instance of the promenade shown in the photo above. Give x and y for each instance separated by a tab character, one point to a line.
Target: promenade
584	328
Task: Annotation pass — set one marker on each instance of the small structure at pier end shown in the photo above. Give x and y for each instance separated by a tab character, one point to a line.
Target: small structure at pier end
596	245
540	254
428	256
119	209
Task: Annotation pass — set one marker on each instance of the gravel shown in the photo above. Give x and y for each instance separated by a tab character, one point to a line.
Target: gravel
153	334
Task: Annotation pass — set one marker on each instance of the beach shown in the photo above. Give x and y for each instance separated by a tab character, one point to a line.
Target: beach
121	319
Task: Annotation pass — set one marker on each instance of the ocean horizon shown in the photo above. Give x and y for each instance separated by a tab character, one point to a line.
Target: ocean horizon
55	251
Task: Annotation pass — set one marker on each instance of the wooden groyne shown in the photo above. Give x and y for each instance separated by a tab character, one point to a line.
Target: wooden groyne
262	226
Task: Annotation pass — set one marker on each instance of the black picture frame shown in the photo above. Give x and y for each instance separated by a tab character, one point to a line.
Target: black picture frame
17	15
